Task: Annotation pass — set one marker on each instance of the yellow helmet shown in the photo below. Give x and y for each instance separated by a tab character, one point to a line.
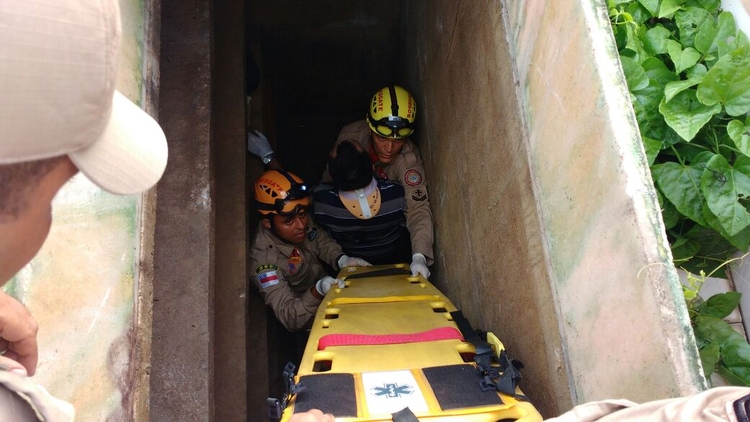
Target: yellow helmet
281	192
392	112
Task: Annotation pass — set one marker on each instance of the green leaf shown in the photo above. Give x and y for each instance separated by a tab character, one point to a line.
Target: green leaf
740	41
741	241
734	376
741	169
668	7
650	121
722	187
711	34
655	40
705	39
720	305
669	213
651	5
696	72
727	39
658	72
674	88
681	186
736	352
740	134
634	42
639	13
715	246
652	148
634	74
621	36
684	249
722	252
682	59
709	5
713	330
688	21
728	83
709	358
686	115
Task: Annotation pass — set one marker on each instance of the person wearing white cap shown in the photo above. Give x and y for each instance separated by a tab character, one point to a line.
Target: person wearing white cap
59	114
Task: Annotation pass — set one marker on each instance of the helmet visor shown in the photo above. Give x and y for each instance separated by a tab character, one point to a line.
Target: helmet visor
296	198
291	208
392	127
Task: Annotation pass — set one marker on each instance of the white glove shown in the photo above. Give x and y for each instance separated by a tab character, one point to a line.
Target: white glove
419	265
324	284
346	261
257	144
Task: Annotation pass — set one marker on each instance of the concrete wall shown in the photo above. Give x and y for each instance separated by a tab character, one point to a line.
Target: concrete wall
199	364
231	275
182	364
548	230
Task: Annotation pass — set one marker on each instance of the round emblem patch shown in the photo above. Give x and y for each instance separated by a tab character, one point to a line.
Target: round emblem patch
412	178
295	261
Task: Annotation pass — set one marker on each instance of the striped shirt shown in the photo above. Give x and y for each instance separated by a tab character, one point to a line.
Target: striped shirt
382	239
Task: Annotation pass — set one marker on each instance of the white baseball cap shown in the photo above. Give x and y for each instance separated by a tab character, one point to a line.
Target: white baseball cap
58	68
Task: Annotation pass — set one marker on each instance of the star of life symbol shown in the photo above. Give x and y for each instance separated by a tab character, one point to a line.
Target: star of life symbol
392	390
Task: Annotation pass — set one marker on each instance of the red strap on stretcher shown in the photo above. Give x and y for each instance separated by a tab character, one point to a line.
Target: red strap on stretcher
442	333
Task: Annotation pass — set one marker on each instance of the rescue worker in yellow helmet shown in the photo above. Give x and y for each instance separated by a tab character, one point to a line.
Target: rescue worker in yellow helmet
385	133
288	248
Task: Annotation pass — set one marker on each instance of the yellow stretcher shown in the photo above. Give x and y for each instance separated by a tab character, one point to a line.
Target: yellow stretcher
388	341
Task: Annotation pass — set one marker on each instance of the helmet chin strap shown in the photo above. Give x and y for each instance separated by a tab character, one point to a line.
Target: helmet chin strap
362	199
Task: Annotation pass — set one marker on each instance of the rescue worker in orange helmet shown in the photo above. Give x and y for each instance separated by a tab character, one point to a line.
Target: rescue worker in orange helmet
288	248
384	134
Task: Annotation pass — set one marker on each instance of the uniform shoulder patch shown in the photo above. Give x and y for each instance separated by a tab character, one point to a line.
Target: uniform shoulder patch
312	234
413	177
267	276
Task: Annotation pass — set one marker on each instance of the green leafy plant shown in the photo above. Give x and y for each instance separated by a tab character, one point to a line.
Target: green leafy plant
688	72
721	348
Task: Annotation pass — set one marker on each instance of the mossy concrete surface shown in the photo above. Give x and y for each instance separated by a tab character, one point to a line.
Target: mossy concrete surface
548	229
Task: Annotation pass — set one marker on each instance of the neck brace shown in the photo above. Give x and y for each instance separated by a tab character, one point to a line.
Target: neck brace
362	203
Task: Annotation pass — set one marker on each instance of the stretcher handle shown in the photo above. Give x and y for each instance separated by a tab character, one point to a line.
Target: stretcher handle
379	273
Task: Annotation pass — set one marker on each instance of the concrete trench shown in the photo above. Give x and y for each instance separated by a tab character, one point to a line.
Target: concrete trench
547	228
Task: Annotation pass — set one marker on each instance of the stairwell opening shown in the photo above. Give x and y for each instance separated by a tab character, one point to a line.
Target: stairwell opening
311	68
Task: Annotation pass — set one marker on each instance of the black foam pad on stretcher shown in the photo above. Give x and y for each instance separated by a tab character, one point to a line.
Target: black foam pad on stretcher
331	393
458	386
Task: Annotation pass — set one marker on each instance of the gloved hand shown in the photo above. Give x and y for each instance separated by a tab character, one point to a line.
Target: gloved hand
419	265
346	261
324	284
257	144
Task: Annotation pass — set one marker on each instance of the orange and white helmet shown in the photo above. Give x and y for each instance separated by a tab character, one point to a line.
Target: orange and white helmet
392	112
281	192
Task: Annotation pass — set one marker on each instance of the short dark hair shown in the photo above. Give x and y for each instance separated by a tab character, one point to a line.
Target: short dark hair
350	166
17	180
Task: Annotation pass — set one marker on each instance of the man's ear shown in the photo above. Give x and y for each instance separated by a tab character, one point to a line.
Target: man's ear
266	222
